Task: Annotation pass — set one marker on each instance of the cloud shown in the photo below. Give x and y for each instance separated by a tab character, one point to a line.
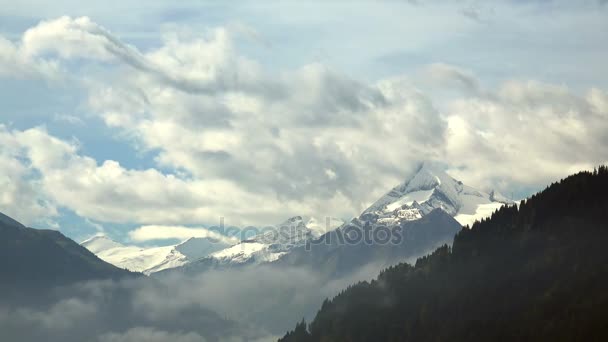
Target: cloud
242	304
81	38
108	311
258	137
232	138
526	133
148	233
472	12
139	334
15	63
63	315
21	197
100	192
69	119
450	75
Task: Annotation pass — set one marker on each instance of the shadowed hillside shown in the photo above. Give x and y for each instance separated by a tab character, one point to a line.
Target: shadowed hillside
37	259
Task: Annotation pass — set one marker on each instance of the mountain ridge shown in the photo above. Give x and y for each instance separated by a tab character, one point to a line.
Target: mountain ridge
152	259
33	259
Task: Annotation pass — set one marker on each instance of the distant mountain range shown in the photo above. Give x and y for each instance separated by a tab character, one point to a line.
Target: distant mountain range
428	189
154	259
448	203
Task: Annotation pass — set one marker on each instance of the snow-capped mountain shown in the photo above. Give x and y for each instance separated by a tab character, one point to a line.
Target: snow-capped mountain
333	255
422	213
431	188
152	259
267	246
272	243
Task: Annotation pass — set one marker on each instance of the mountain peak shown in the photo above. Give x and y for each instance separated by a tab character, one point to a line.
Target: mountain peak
295	219
100	243
429	188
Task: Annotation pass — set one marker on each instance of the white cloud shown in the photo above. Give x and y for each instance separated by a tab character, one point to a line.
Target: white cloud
63	315
69	119
155	232
108	192
21	197
255	145
15	63
526	134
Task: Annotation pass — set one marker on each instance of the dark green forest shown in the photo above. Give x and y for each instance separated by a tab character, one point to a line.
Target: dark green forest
537	272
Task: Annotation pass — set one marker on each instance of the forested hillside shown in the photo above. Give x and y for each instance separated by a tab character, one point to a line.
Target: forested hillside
537	272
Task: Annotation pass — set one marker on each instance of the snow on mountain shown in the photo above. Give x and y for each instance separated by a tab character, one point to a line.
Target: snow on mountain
152	259
319	228
431	188
428	189
268	245
244	252
196	248
100	243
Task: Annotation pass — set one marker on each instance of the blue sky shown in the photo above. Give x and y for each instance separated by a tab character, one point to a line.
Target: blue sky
156	114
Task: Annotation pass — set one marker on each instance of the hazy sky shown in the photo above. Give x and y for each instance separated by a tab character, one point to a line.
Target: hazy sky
122	114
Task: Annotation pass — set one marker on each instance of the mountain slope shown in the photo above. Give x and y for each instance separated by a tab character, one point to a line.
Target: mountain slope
533	273
428	189
267	246
335	255
37	259
427	210
152	259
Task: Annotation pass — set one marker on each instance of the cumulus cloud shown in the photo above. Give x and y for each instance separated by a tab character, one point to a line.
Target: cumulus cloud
14	62
100	191
527	133
21	197
233	139
298	142
155	232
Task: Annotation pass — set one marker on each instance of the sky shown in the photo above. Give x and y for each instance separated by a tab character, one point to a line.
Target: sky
147	120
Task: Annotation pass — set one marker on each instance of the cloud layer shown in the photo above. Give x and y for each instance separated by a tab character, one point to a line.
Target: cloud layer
242	304
235	139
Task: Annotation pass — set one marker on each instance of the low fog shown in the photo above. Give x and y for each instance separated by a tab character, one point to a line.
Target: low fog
246	304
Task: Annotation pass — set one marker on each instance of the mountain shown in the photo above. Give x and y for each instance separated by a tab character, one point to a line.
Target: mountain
428	189
33	259
533	272
402	211
270	244
152	259
267	246
9	221
423	212
346	250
